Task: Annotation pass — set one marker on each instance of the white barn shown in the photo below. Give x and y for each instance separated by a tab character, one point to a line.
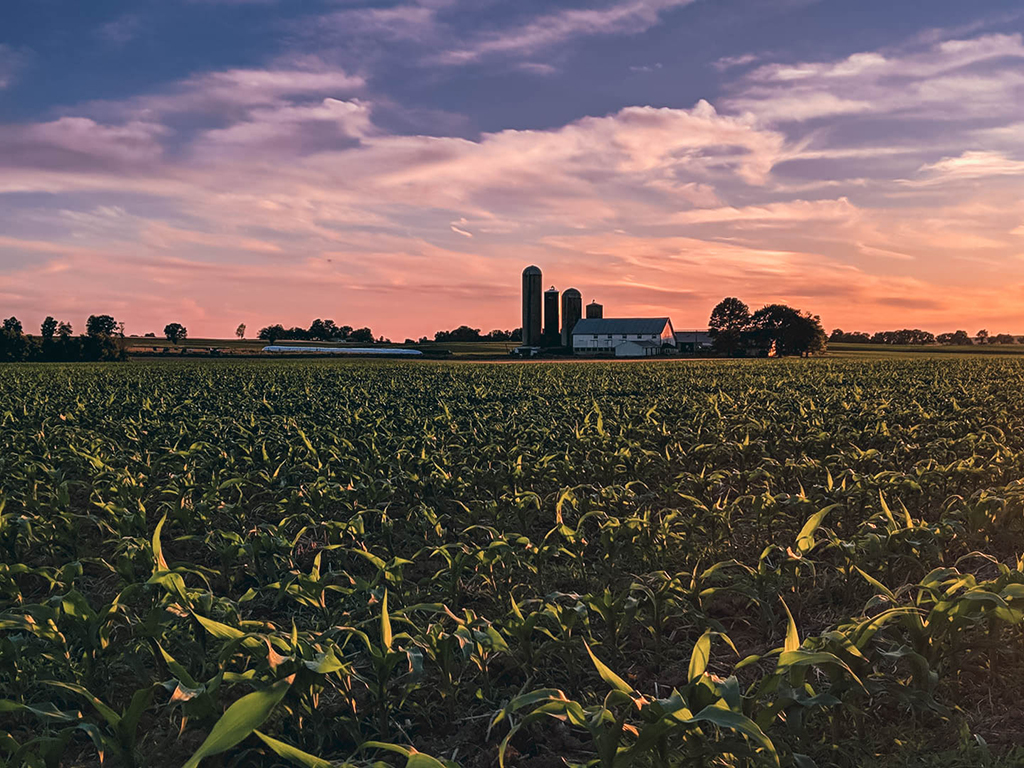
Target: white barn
637	336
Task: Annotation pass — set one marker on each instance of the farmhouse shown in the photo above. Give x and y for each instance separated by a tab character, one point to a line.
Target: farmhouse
623	336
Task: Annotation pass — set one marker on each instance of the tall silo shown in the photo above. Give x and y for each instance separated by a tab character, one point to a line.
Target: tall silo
531	306
551	338
595	311
572	311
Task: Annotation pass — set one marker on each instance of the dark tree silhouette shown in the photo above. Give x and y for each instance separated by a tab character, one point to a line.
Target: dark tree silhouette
12	325
48	328
101	325
787	330
272	333
175	332
240	331
728	321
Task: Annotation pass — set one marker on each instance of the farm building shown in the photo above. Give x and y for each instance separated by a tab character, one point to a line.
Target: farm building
693	341
638	336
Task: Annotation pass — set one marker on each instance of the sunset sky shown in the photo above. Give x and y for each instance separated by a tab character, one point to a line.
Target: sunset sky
396	165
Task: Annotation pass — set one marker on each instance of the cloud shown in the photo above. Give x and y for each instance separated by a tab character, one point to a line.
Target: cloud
121	30
728	62
12	61
629	17
231	92
950	78
786	214
74	144
970	165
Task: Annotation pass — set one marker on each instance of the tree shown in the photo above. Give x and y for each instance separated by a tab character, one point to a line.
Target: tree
789	331
240	331
64	331
362	336
13	326
272	333
982	336
1003	338
101	325
323	330
728	321
462	333
48	328
175	332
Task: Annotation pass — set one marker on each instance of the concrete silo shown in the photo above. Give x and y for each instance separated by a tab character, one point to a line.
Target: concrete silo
572	311
595	311
551	337
531	306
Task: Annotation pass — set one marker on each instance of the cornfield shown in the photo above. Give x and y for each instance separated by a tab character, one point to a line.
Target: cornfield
763	563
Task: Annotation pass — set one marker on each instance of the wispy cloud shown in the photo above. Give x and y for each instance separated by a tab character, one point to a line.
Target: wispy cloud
12	61
629	17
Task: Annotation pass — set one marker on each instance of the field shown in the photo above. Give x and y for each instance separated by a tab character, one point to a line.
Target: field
141	346
699	563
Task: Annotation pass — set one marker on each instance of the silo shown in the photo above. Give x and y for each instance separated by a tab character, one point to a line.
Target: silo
551	338
595	311
572	311
531	306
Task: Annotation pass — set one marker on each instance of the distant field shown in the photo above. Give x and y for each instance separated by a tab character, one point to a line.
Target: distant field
876	350
489	349
143	346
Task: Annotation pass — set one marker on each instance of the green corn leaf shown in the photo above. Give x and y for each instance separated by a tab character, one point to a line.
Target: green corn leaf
607	675
792	636
240	720
292	754
700	656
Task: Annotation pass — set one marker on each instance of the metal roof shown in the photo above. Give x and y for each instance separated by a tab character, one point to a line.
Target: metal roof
613	325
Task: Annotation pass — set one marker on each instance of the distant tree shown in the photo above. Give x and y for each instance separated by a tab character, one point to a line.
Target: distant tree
361	336
64	331
408	341
958	338
240	331
272	333
13	326
48	328
462	333
323	330
516	335
904	336
729	319
982	336
101	325
175	332
788	330
1003	338
423	340
856	337
149	335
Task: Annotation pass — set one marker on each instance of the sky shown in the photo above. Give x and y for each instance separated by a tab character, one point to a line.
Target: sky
397	164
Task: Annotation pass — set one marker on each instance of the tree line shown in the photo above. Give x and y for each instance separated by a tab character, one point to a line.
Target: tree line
466	333
103	340
775	329
319	330
916	336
